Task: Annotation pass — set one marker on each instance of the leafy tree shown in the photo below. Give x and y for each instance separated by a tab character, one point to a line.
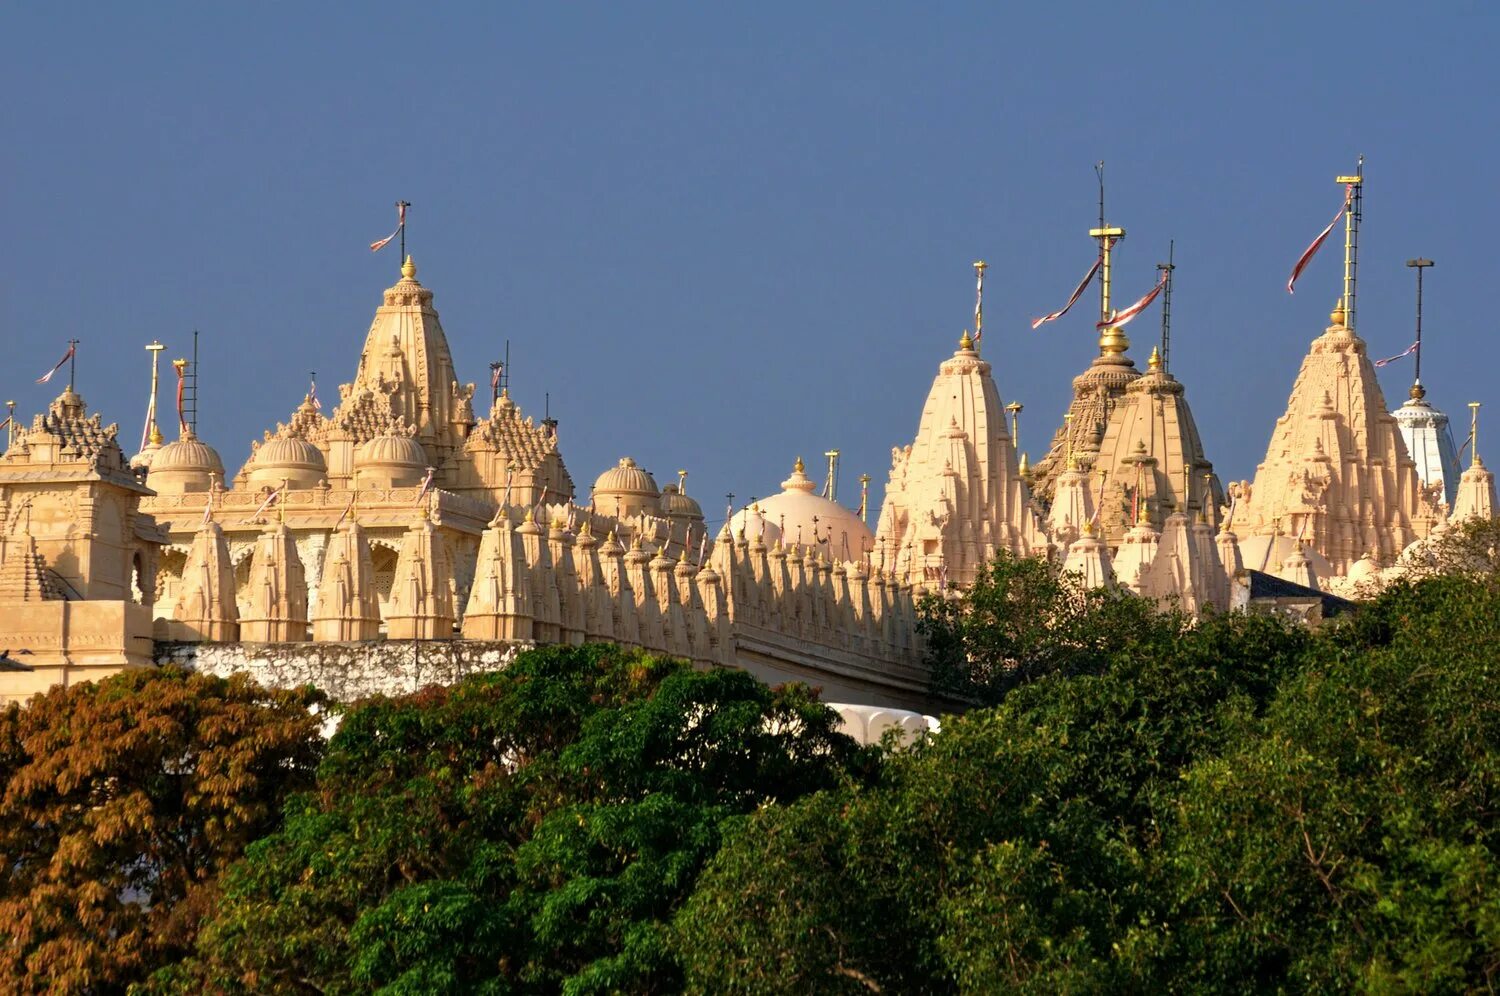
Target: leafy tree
123	801
1013	851
533	829
1351	840
1020	620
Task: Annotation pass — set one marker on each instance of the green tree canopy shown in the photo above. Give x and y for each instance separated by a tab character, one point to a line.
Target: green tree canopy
528	830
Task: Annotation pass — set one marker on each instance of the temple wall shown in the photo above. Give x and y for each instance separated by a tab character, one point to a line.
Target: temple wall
346	671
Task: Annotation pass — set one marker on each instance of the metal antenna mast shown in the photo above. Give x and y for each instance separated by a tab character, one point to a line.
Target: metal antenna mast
1166	303
1417	390
1351	239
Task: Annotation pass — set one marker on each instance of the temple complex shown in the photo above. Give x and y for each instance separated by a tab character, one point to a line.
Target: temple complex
404	518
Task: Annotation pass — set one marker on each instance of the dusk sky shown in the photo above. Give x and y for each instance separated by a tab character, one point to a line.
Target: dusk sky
722	237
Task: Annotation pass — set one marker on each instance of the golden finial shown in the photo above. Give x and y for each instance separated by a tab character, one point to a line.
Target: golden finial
153	431
409	269
964	342
1024	467
528	517
1088	527
798	467
1153	363
1336	316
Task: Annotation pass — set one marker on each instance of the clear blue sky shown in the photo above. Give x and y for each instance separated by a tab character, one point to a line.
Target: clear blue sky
721	238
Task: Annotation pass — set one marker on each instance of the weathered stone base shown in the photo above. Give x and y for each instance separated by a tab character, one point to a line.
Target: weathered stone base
345	671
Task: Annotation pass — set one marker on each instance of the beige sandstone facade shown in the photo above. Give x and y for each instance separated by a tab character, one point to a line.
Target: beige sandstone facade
78	557
403	516
1337	478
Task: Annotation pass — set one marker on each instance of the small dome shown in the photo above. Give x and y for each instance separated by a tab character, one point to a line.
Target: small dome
626	478
391	450
755	525
391	460
288	458
676	504
801	516
627	488
185	464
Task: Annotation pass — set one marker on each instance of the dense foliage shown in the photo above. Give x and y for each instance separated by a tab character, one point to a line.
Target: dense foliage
528	830
123	802
1236	807
1233	805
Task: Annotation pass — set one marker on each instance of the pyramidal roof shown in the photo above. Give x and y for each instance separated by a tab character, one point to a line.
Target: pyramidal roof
405	358
1337	473
955	496
1151	445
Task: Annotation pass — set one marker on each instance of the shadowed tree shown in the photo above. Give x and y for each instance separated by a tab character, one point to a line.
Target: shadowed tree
122	803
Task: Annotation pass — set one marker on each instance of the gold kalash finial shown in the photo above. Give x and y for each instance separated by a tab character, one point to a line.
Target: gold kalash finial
1474	460
1111	339
1355	185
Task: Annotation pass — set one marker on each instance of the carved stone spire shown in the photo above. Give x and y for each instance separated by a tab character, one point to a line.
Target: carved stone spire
206	608
421	605
1337	474
348	607
277	610
955	495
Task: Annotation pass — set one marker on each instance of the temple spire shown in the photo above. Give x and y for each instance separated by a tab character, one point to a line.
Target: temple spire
1351	239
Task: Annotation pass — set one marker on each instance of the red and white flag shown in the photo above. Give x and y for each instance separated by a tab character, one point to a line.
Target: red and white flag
380	244
208	509
979	305
181	382
150	421
271	499
496	369
1077	293
44	378
1124	317
312	395
426	486
1399	356
345	513
1317	243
